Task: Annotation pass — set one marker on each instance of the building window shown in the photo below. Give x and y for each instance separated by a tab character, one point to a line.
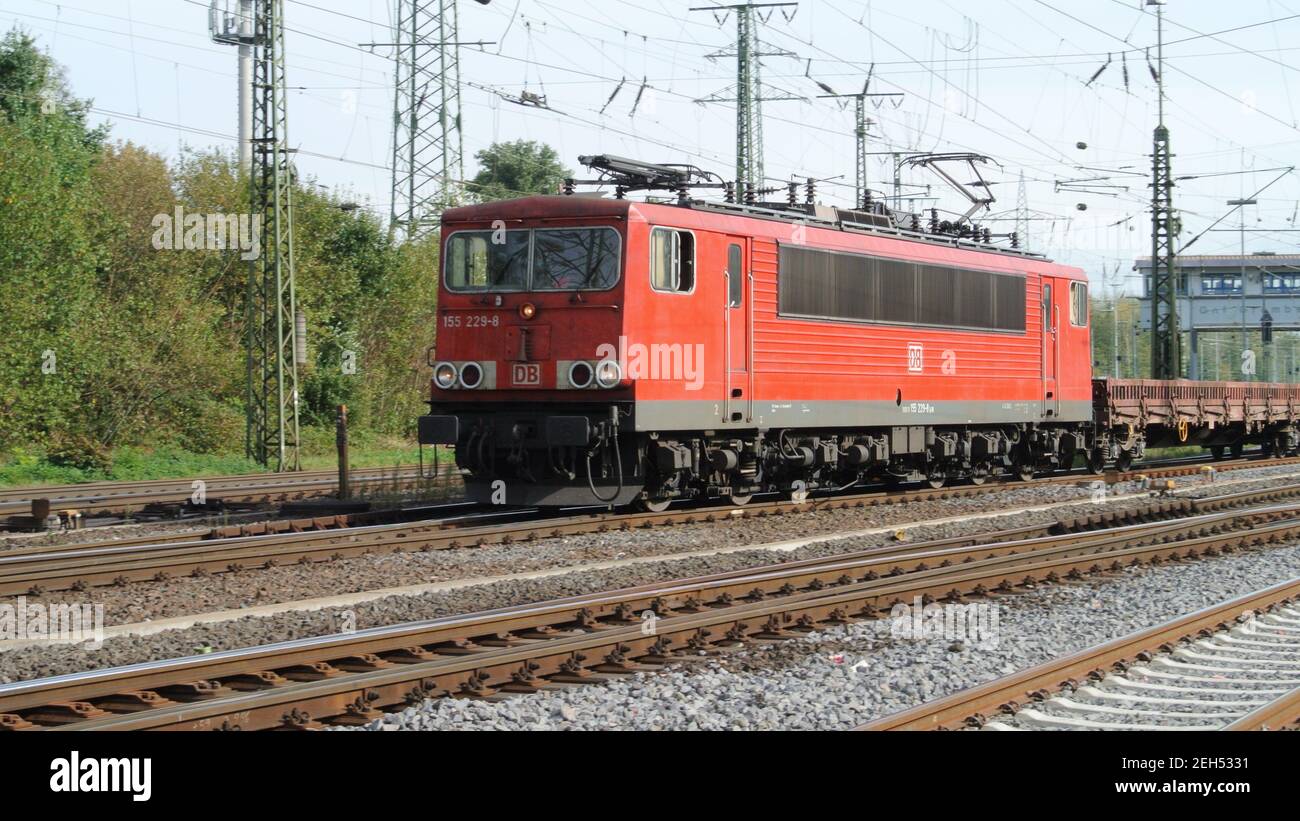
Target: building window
1220	284
1275	283
1078	303
672	260
820	284
1148	284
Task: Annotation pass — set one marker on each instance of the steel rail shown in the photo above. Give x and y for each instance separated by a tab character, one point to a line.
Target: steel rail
107	497
34	571
1280	714
514	649
974	706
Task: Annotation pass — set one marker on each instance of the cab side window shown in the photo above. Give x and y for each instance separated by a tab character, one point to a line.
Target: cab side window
735	276
1078	304
672	260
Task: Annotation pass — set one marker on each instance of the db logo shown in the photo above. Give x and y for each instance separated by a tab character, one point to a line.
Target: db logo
526	374
915	358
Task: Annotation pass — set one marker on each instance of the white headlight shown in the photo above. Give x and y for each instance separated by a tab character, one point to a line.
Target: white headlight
444	375
608	373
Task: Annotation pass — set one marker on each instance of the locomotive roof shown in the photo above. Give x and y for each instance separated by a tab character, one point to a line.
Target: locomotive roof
568	207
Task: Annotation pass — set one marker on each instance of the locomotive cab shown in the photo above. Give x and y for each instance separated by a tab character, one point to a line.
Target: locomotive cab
530	303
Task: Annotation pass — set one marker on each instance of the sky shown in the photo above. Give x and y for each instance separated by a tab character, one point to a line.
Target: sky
1008	79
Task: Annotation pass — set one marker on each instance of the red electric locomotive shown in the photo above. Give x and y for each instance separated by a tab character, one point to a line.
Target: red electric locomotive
606	351
595	350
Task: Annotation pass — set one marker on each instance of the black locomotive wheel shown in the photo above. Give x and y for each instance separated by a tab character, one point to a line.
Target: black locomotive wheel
1097	462
1217	452
1237	448
936	480
740	499
979	474
1025	472
1124	462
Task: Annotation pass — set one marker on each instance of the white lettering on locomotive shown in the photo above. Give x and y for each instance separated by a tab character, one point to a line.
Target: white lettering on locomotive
527	373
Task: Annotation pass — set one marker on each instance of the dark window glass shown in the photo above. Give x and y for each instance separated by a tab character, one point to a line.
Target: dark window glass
857	287
735	276
575	258
476	263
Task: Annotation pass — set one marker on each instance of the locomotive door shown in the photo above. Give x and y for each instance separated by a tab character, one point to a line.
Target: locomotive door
1051	326
736	332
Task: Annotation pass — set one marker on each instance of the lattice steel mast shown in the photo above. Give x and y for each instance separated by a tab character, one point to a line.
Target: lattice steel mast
428	146
748	91
1166	349
860	125
272	385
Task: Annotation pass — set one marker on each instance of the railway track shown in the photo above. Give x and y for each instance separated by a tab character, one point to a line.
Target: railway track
104	498
1233	666
351	678
38	570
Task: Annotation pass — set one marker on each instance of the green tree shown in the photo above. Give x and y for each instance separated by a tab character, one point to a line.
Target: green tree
516	169
108	341
48	258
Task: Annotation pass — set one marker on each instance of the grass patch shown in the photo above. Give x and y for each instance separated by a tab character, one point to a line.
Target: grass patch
126	464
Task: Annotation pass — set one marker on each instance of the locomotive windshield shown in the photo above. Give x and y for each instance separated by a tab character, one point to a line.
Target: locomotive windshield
575	258
476	263
551	259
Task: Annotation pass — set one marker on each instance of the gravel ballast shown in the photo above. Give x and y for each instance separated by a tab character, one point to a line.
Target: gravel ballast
839	678
146	601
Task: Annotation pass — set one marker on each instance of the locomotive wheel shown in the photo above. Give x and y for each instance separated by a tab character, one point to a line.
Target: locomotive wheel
937	478
1237	448
1097	462
1124	462
1025	472
652	505
1217	452
979	474
740	499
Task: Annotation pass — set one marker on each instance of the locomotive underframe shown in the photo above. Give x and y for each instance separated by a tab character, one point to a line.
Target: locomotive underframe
584	454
